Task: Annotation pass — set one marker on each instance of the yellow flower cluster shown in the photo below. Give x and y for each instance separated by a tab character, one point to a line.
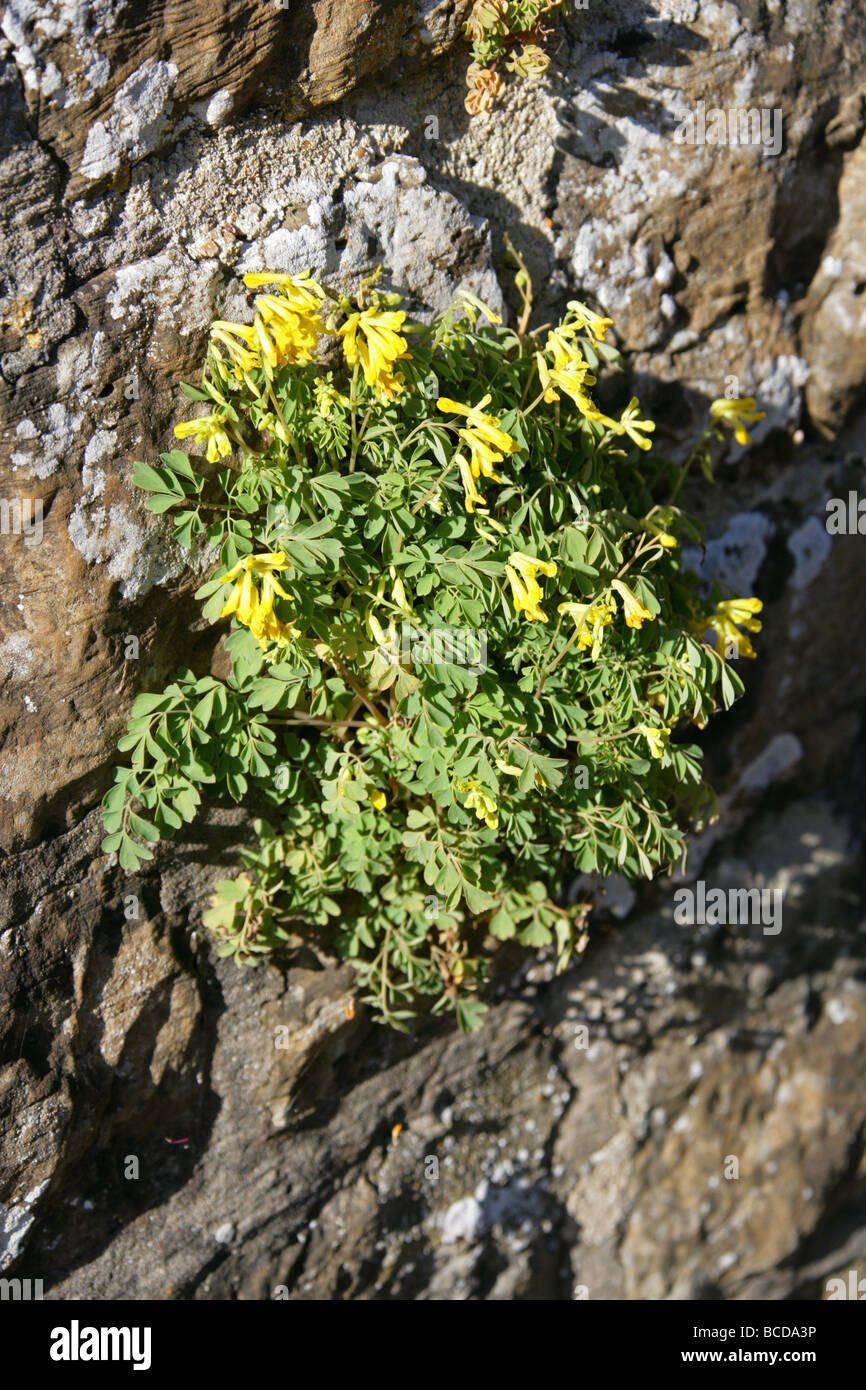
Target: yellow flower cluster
285	328
655	738
285	332
252	604
209	429
481	802
570	374
372	338
728	618
525	588
487	443
591	619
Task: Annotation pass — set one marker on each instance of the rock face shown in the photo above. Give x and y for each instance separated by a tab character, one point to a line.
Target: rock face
681	1115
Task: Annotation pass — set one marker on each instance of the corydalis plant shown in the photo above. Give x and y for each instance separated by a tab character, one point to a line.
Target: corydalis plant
504	34
463	649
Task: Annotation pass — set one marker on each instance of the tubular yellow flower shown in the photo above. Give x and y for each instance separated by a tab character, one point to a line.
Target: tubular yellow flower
655	738
635	612
243	600
488	443
254	606
475	306
585	318
378	800
481	802
736	414
630	425
590	620
562	348
529	565
302	294
372	338
572	378
208	428
294	335
228	333
471	496
728	618
527	595
664	538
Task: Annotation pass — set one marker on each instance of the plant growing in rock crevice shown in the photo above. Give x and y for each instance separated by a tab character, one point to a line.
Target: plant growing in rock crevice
504	34
462	644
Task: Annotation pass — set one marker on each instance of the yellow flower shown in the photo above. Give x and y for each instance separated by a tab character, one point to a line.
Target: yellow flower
378	800
635	612
227	334
291	336
390	385
243	601
594	324
590	620
663	537
472	498
655	737
480	802
728	618
736	414
475	306
562	348
372	338
525	588
210	428
253	605
630	425
571	379
488	443
303	294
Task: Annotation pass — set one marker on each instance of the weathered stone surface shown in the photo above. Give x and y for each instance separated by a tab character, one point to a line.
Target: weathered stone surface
107	84
835	328
122	1035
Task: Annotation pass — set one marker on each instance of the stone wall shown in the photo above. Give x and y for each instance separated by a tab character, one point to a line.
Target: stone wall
153	151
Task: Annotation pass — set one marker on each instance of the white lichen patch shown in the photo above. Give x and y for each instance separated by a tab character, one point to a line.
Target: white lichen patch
47	442
138	120
15	1222
137	556
734	558
30	25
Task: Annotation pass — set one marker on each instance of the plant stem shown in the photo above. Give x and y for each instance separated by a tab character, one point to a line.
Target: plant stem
357	443
361	694
429	493
687	465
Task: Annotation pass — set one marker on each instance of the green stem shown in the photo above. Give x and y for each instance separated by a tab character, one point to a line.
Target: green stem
357	443
687	465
